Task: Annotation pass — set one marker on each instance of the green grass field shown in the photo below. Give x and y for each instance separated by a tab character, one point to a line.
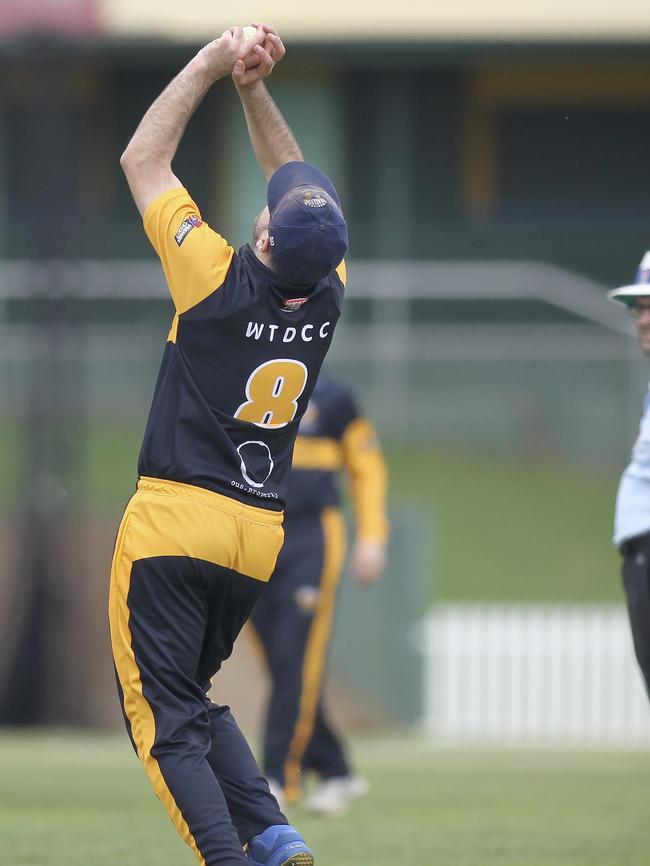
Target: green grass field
79	800
508	528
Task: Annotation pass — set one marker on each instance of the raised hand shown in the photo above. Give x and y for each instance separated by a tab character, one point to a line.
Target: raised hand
220	56
264	51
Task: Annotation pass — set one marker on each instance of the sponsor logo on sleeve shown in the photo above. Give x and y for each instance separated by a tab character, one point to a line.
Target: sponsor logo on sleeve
192	222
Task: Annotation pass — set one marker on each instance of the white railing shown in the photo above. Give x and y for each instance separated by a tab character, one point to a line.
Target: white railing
532	672
471	379
391	334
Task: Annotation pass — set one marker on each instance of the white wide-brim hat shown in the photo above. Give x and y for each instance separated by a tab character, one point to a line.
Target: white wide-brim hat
640	287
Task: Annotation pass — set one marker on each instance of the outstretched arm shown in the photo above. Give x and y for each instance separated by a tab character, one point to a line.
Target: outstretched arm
147	161
272	139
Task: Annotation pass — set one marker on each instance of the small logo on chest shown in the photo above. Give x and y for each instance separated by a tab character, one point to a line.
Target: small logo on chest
290	305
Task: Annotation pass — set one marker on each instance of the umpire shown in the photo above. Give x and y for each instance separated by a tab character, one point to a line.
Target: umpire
632	524
294	618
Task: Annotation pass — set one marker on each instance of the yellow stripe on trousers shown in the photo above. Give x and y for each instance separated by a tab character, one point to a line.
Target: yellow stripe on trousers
136	706
316	649
167	518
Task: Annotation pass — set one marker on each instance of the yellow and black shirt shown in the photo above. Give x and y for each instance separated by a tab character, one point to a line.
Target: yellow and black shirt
242	358
335	437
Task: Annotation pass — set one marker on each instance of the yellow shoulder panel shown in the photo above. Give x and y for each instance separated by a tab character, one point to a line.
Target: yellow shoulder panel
195	258
342	272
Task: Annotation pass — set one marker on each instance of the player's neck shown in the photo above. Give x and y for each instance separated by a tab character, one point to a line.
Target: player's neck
265	258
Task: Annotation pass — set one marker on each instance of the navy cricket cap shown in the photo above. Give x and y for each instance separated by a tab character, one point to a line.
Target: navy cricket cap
308	234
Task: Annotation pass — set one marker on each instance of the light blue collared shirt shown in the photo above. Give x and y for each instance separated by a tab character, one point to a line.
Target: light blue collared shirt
633	499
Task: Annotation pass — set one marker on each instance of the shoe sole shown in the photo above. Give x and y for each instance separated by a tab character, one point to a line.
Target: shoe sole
302	858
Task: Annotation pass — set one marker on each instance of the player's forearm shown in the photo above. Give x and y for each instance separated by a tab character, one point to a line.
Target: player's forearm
273	142
368	494
156	139
368	476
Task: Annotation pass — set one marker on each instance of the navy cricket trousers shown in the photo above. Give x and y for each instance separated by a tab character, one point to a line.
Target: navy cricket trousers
293	620
188	567
636	581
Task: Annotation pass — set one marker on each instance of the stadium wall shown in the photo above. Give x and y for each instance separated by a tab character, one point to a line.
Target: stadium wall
386	21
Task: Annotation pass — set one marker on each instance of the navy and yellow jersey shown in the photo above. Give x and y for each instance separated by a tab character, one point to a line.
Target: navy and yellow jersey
242	358
335	436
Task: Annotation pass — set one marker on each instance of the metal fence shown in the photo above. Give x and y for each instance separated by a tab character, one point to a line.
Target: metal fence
508	355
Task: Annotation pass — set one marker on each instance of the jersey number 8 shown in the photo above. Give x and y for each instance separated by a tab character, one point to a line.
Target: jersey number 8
272	393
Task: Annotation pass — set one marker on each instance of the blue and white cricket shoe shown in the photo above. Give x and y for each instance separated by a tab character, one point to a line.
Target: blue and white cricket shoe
279	845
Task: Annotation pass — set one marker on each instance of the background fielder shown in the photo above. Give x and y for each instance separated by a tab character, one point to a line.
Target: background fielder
632	523
294	617
199	539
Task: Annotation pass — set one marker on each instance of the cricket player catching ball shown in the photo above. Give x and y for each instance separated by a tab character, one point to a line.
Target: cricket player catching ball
201	535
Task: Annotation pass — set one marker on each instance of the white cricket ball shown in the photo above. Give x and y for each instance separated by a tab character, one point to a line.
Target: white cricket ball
250	32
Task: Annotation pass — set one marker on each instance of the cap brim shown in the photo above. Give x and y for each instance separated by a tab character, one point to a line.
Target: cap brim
293	174
626	294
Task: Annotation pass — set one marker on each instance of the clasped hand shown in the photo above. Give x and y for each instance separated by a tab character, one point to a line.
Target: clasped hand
247	60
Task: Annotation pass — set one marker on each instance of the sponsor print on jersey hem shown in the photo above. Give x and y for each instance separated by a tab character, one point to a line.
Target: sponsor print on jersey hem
262	493
192	222
290	305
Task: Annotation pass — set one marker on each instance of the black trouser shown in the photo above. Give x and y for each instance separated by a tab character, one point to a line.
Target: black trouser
188	567
293	620
636	580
